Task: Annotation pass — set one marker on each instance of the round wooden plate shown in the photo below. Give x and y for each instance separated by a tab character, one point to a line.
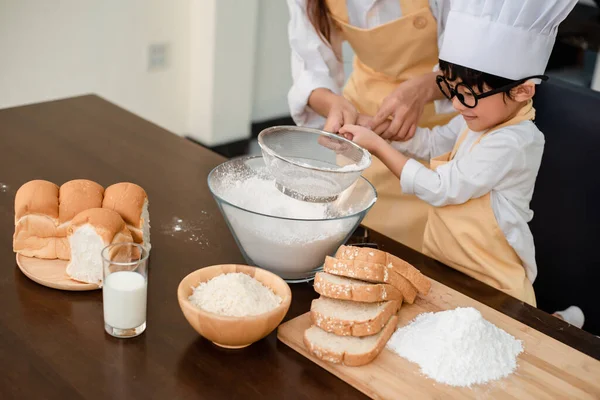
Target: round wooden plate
51	273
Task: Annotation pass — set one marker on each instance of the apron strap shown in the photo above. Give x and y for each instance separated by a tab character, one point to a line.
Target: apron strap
338	10
460	140
411	6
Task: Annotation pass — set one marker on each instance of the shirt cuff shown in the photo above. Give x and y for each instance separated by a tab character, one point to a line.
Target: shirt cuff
301	91
400	146
443	106
409	172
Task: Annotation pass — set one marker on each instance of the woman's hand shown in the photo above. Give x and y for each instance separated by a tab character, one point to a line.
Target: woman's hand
363	137
405	105
341	113
337	109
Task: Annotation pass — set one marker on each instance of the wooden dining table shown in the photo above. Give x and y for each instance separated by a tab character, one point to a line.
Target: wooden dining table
52	342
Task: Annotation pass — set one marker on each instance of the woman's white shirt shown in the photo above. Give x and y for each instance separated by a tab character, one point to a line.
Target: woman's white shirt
316	64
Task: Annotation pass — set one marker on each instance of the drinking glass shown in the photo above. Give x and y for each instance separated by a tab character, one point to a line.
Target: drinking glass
124	289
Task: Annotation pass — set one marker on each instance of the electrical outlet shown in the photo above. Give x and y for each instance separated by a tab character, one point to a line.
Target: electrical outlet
158	56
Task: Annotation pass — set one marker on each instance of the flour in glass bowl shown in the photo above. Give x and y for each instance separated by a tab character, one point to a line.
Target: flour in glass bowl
457	347
291	247
260	195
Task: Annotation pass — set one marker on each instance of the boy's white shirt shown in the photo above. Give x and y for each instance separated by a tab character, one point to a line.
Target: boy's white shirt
505	164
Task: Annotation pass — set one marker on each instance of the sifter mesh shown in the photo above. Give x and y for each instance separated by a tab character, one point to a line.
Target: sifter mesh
309	164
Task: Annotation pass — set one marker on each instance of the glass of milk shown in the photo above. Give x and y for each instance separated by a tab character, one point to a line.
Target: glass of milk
124	289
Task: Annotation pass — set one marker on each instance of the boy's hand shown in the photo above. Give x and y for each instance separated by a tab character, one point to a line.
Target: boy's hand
363	137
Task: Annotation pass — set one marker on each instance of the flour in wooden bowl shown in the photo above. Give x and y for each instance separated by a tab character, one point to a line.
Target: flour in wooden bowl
234	295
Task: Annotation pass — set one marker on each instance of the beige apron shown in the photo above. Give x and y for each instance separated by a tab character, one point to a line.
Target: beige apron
467	236
385	57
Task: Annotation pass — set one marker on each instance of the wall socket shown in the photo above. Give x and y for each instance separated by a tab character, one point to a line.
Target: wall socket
158	56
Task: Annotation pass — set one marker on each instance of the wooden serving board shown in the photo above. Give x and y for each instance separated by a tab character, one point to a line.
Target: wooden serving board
51	273
547	369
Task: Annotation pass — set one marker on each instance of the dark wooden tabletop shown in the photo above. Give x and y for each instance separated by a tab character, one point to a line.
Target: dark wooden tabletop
52	343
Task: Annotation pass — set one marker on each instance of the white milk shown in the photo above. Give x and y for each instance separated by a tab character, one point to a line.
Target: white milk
124	297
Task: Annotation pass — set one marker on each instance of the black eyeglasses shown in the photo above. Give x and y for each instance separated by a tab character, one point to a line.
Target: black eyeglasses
467	96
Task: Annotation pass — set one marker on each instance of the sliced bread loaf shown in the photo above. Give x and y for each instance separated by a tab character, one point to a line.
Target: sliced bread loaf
413	275
350	318
348	350
371	272
337	287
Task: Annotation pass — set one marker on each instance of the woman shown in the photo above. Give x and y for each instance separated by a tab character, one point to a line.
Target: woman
391	89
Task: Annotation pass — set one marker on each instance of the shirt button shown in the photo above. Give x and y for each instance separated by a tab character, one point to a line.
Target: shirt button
420	22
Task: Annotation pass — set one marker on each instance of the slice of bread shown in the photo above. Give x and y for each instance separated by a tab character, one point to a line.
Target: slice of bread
413	275
350	318
348	350
371	272
337	287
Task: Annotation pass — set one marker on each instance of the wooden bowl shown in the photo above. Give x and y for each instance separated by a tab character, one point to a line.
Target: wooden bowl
233	332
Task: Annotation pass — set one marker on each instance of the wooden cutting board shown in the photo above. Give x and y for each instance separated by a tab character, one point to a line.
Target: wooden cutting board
547	369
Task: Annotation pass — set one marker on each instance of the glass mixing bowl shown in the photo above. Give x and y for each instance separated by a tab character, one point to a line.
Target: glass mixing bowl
293	248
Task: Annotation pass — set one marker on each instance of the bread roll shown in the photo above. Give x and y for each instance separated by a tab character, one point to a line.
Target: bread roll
36	219
63	250
131	202
89	232
74	197
37	197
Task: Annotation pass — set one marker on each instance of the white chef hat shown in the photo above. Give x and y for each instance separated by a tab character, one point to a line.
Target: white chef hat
508	38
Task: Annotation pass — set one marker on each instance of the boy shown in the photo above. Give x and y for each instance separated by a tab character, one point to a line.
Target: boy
485	161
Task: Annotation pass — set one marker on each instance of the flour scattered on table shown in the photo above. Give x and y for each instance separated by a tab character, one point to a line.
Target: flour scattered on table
188	231
4	187
234	295
457	347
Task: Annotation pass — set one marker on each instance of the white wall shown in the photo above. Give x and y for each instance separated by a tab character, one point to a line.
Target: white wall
229	60
273	74
202	20
60	48
235	52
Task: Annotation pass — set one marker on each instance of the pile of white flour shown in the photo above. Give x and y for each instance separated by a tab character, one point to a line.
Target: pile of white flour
260	195
234	295
291	247
457	347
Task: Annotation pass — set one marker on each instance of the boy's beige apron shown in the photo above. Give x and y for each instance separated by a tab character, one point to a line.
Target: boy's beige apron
467	236
385	57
